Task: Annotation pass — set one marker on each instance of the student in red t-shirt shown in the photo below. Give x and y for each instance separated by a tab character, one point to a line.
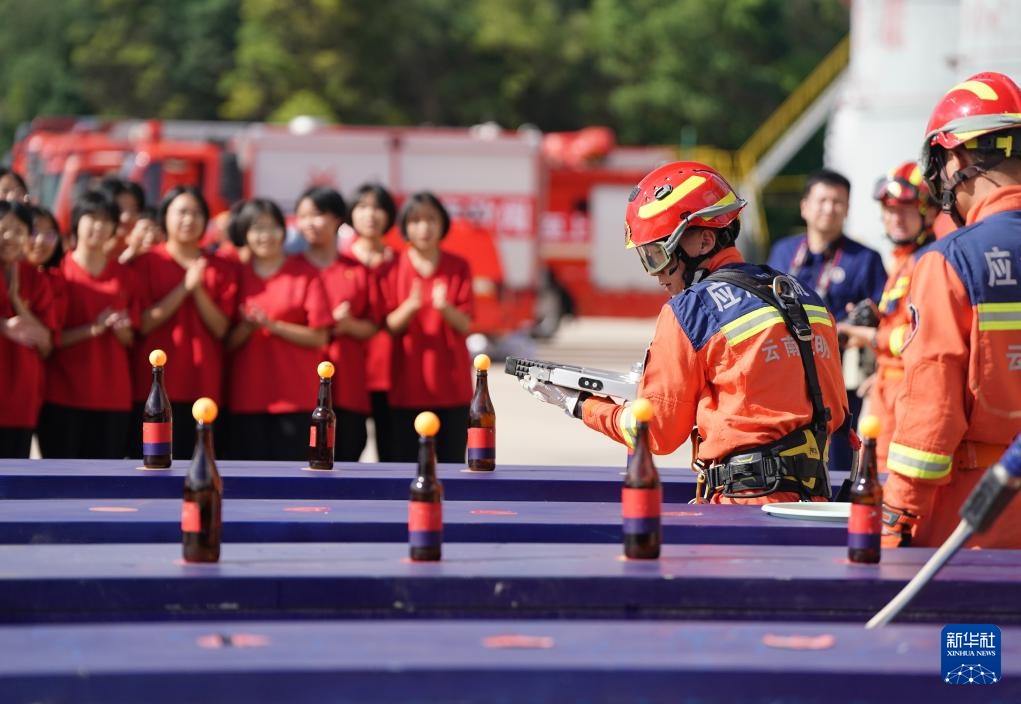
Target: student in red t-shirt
352	294
88	376
45	251
428	294
130	198
25	334
276	345
145	234
373	213
188	299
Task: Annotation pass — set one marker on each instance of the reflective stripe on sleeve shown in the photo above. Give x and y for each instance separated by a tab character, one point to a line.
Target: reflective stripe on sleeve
897	337
916	463
628	426
999	316
751	323
818	314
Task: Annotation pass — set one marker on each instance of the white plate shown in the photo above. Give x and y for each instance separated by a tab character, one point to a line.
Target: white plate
837	511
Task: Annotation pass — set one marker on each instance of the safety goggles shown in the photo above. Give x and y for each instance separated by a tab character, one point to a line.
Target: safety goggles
897	190
656	256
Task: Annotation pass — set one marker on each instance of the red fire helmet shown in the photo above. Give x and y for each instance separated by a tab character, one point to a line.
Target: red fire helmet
985	103
903	185
669	200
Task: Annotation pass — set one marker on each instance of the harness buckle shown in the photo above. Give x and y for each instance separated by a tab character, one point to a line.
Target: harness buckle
787	298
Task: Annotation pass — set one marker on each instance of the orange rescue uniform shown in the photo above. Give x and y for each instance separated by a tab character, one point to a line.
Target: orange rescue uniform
893	329
960	405
725	361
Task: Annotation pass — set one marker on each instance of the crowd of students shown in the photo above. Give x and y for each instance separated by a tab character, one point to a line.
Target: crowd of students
241	319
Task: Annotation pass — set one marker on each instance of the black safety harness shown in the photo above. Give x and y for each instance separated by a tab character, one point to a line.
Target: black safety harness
795	462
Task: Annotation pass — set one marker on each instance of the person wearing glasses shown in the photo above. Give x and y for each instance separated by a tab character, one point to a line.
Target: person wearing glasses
742	353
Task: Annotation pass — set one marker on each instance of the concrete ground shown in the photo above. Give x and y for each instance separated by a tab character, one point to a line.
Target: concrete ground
529	431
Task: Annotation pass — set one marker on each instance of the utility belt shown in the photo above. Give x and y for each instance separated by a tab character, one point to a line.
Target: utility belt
794	464
977	455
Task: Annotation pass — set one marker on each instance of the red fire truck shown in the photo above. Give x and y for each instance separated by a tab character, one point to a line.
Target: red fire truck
548	209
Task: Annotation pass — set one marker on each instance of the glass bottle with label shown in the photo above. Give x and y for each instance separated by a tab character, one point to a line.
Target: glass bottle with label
642	494
425	507
864	527
322	432
202	511
481	421
157	418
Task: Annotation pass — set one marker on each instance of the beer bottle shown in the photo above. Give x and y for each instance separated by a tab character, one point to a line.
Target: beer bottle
481	421
201	513
865	524
425	508
157	418
323	430
642	495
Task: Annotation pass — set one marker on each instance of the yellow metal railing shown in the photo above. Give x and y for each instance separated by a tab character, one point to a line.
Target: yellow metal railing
723	160
735	166
792	108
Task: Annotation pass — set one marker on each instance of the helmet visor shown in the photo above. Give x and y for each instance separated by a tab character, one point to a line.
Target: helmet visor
896	190
655	256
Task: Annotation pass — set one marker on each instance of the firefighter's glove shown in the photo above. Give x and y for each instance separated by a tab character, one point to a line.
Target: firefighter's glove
897	526
628	426
568	399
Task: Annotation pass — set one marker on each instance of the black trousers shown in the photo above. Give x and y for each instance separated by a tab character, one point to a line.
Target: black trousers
268	436
352	435
840	447
81	433
15	442
381	419
451	440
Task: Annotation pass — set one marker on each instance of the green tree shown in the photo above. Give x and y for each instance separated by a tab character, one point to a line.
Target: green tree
35	74
153	59
720	67
647	68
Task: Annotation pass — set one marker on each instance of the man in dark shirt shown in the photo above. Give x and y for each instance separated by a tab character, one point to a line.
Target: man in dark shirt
840	270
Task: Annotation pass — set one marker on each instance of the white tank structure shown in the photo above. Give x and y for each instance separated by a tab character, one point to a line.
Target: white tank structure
905	54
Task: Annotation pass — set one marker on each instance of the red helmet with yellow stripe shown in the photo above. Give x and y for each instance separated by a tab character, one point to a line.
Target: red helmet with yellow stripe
974	114
668	201
903	185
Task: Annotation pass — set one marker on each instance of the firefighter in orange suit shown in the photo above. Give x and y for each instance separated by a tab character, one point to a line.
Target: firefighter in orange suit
733	352
908	212
960	405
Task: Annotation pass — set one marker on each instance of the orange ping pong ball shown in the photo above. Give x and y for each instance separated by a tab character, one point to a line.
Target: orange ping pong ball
870	427
325	370
482	362
204	410
157	358
642	410
427	424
